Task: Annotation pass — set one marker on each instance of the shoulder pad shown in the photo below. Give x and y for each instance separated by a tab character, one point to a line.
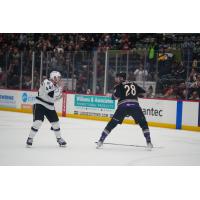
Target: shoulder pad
47	82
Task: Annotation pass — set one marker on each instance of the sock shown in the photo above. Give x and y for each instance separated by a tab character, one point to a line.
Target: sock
35	127
147	135
32	132
56	128
104	135
57	134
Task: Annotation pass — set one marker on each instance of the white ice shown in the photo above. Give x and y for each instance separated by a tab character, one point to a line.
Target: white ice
178	147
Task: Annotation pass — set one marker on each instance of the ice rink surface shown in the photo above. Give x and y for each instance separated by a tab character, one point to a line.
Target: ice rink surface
177	147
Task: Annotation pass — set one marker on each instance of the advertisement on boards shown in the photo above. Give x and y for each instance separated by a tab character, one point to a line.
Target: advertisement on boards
27	99
101	106
8	99
154	110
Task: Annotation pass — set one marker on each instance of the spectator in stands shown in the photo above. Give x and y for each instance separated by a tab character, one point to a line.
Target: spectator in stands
164	63
13	75
140	73
149	93
16	54
180	71
193	75
13	81
36	80
194	96
26	82
169	92
194	63
180	91
196	84
88	91
152	55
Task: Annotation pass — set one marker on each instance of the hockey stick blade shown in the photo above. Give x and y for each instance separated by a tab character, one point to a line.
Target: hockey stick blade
128	145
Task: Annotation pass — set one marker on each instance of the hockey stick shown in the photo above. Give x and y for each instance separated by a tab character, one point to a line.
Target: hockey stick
127	145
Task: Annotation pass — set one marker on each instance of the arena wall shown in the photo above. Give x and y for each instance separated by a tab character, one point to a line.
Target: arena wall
159	112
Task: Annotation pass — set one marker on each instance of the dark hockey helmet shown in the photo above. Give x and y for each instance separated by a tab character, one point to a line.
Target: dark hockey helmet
122	75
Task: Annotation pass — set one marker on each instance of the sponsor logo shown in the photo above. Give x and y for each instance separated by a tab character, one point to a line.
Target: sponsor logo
26	98
7	101
6	97
152	112
94	102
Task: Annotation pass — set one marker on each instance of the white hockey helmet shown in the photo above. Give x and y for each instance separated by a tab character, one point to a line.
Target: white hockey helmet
55	76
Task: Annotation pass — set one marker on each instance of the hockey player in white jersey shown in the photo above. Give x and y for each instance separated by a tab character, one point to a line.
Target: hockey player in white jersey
48	93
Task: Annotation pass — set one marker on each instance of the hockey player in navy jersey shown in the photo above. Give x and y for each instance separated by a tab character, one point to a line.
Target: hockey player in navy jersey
127	92
48	93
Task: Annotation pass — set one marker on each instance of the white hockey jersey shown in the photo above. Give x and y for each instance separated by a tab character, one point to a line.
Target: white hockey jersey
48	94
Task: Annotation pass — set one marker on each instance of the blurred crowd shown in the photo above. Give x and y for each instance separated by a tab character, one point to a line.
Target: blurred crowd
95	41
170	60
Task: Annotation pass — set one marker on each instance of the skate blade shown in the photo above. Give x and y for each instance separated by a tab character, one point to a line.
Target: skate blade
28	146
99	147
149	148
63	146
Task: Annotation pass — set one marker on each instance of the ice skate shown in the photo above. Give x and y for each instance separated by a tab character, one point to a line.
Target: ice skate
99	144
61	142
29	142
149	146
